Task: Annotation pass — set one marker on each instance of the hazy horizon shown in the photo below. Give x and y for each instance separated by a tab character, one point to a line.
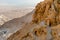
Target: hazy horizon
19	2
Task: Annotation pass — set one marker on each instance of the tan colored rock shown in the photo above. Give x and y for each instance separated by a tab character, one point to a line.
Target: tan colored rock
40	31
55	32
47	11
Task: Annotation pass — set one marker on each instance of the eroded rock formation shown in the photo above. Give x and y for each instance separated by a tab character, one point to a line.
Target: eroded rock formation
47	11
45	23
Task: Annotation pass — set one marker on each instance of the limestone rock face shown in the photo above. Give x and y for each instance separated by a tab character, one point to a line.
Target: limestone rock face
47	11
45	23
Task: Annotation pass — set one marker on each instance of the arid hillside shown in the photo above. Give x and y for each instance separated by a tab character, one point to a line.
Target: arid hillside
10	16
43	23
14	12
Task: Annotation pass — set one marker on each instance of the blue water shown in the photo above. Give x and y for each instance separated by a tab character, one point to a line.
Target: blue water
19	2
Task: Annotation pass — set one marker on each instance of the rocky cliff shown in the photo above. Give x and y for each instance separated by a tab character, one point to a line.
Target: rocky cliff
45	23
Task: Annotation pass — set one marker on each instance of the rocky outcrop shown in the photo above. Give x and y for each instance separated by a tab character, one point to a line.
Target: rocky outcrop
47	11
45	23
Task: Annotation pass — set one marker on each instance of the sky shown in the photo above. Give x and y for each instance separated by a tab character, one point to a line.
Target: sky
19	2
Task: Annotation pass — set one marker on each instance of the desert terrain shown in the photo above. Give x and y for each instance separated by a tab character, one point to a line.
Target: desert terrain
41	23
14	12
44	24
10	14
